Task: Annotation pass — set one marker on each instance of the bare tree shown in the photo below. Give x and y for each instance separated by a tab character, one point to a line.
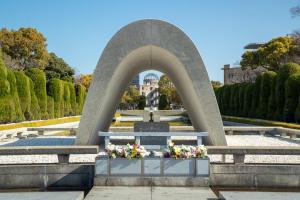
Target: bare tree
295	11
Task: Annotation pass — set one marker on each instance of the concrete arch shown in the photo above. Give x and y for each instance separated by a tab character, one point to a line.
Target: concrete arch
142	45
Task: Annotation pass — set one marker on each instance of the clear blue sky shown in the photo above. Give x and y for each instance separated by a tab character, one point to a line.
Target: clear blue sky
78	31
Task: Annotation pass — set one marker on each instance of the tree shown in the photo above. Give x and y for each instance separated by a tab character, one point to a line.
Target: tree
216	84
26	46
270	55
130	98
167	88
295	11
85	80
58	68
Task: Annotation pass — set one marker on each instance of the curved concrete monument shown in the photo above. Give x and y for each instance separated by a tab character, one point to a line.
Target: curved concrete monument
158	45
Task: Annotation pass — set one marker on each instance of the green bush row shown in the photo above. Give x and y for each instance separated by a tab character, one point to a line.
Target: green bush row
25	95
272	96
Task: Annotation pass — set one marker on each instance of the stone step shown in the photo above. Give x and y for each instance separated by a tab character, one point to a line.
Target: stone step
150	193
152	181
249	195
62	195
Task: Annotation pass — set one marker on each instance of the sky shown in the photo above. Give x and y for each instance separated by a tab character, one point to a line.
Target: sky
79	30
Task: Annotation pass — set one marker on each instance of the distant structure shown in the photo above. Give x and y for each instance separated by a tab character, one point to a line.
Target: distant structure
149	89
237	75
136	81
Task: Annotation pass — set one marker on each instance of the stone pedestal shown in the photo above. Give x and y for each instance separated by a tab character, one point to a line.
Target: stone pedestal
152	127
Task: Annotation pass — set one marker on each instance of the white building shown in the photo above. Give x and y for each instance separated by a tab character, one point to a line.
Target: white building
149	89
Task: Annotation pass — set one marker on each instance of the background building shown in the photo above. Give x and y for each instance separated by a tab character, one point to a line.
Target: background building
237	75
149	89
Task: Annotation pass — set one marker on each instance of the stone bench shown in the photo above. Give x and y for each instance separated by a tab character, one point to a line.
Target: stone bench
63	152
138	135
239	152
42	130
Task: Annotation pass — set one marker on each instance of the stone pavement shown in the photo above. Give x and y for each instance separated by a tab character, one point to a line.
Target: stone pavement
237	195
150	193
41	195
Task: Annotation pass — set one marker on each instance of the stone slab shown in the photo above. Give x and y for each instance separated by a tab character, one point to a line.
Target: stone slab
42	195
237	195
152	127
150	193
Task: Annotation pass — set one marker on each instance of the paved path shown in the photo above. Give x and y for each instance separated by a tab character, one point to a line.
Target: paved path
150	193
41	195
237	195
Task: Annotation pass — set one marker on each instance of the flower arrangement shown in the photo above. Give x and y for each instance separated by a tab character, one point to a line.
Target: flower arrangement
185	152
129	151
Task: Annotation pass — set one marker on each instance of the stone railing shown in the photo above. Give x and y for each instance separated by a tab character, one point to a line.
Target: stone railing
62	152
42	130
239	152
293	133
138	135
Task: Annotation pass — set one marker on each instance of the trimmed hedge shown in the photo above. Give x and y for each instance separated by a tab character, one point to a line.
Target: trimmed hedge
55	90
284	72
72	98
23	87
19	116
50	107
266	88
7	107
263	98
34	106
39	82
80	97
66	99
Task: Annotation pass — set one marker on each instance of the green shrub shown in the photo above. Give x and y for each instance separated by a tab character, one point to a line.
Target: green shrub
7	111
55	90
242	89
141	102
248	99
34	105
265	93
163	102
72	98
292	88
7	107
226	93
19	116
50	107
80	97
284	72
23	87
256	97
39	82
272	100
66	99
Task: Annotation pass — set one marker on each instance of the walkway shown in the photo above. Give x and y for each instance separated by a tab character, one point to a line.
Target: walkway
150	193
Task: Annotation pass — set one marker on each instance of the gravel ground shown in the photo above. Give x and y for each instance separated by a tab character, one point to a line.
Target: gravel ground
233	140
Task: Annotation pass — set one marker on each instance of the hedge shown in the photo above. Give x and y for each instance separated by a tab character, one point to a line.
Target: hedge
292	86
265	89
80	97
72	98
39	82
284	72
66	99
34	104
50	107
55	90
23	87
7	107
263	98
19	116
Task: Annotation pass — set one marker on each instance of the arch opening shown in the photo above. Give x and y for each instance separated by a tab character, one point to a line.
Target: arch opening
178	58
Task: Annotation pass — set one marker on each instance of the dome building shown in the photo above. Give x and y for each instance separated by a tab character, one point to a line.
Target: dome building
149	89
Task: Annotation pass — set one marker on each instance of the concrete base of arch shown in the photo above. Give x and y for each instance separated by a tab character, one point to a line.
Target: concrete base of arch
142	45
